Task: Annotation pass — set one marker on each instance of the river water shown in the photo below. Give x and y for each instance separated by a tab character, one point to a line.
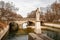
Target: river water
21	37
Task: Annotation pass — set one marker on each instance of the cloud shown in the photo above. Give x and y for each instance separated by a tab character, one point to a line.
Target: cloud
47	1
26	6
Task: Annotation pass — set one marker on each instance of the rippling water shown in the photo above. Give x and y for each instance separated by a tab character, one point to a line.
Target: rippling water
21	37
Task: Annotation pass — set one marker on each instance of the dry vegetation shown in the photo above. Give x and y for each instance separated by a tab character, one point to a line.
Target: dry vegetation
52	13
8	12
2	25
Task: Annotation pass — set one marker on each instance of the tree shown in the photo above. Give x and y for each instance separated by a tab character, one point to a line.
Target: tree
32	14
8	6
8	11
2	4
53	14
49	16
56	10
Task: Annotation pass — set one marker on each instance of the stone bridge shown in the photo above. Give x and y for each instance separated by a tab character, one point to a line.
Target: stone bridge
24	20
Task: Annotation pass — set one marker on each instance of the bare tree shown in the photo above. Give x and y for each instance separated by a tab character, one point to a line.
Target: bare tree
53	14
32	14
8	11
56	10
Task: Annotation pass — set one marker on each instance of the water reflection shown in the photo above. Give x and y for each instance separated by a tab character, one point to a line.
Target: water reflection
52	34
21	37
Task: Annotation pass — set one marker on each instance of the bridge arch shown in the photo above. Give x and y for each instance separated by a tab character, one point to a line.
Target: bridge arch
30	23
13	27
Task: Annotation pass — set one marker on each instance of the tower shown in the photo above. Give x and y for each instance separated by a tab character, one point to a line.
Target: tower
37	23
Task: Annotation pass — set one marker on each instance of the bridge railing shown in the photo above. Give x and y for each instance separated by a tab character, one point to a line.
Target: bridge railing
51	24
33	36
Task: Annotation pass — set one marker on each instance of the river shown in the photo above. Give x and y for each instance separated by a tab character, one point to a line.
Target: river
21	37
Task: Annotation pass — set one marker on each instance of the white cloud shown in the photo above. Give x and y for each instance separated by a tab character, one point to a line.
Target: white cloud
26	7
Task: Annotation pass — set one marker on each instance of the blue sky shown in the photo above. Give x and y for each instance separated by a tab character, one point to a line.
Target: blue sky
26	6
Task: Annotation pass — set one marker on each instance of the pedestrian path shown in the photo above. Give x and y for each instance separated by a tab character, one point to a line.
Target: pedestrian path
51	24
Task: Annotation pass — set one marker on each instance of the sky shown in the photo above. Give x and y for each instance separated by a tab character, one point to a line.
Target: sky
26	6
